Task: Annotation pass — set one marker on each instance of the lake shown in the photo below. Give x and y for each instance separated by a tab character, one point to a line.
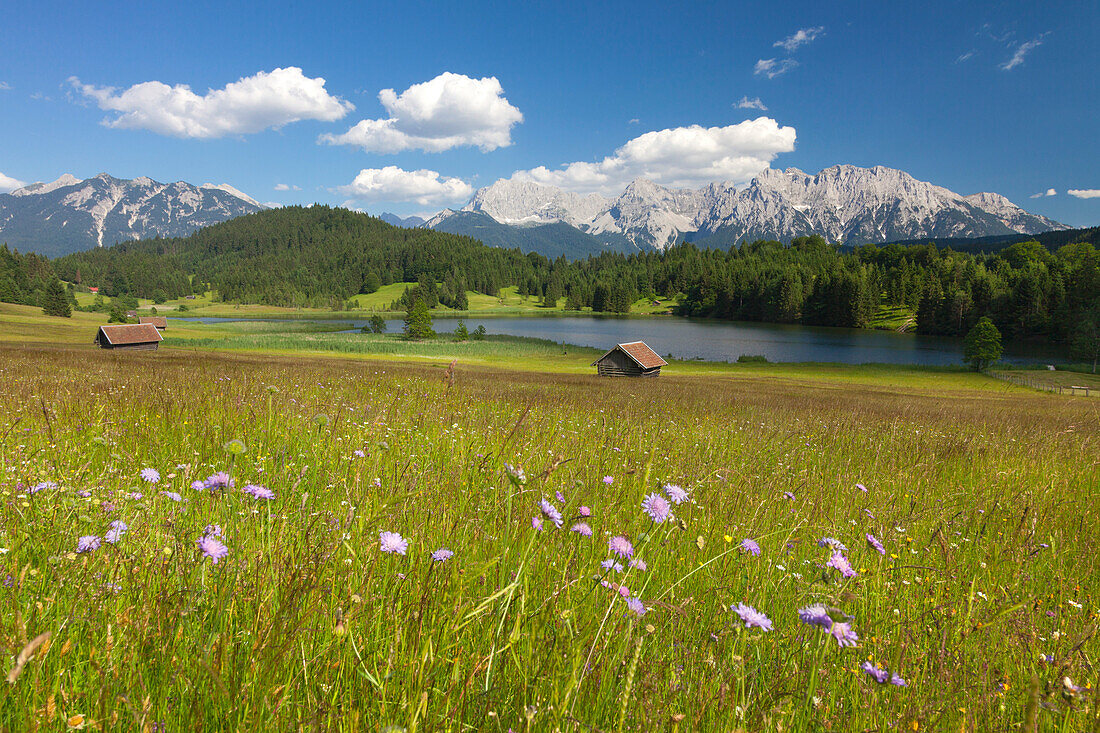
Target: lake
722	340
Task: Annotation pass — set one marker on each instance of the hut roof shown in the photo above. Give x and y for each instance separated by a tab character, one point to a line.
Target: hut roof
158	321
641	354
122	334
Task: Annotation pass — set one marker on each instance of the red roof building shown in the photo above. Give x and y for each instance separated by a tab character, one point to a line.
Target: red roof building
633	359
138	336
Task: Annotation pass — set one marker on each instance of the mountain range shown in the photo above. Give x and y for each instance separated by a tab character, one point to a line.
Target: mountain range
70	214
845	204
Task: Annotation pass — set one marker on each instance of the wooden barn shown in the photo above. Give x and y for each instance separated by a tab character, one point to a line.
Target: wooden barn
159	321
633	359
142	336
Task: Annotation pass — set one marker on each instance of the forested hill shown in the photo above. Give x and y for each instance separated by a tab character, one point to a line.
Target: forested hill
296	256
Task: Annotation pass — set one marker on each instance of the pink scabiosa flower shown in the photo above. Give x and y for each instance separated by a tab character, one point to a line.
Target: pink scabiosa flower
609	480
584	511
611	565
788	495
150	475
114	534
636	606
862	488
442	555
42	487
536	523
212	548
621	546
843	633
258	492
219	480
676	494
750	546
550	512
880	676
581	528
359	454
393	542
875	544
657	507
832	543
897	680
87	543
839	562
560	497
637	564
172	495
815	615
752	618
198	485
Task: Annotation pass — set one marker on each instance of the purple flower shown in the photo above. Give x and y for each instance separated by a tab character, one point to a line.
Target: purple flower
862	488
559	496
212	530
212	548
550	512
880	676
136	495
608	480
259	492
113	535
832	542
676	494
657	507
622	590
621	546
393	542
875	544
198	485
442	555
359	454
219	480
582	528
584	511
841	563
751	547
150	475
752	618
842	632
87	543
788	495
638	564
636	605
172	495
119	525
42	487
83	494
611	565
536	523
815	615
897	681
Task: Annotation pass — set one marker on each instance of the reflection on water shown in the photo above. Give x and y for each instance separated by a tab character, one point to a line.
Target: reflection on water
723	340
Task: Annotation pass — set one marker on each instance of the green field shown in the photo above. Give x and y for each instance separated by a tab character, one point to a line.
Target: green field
982	493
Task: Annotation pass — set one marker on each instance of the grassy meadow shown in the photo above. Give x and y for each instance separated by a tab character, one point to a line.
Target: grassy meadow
982	494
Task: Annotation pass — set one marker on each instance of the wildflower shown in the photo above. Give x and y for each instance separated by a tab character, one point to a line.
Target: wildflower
119	525
582	528
897	681
442	555
880	676
621	546
219	480
198	485
815	615
560	497
636	605
657	507
150	475
84	494
875	544
259	492
841	563
212	530
87	543
833	543
608	480
584	511
393	542
611	565
536	523
41	487
212	548
842	632
638	564
862	488
515	473
751	547
172	495
113	535
676	494
550	512
136	495
359	454
752	618
622	590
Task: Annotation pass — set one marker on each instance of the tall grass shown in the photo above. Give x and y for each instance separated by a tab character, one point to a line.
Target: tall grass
985	502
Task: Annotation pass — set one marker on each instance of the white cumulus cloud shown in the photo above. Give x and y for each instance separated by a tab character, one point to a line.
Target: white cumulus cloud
251	104
449	111
1021	52
772	68
799	38
1084	193
746	103
9	184
391	183
1048	192
286	187
680	157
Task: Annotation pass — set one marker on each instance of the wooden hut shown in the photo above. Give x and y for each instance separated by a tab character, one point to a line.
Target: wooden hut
161	322
633	359
143	336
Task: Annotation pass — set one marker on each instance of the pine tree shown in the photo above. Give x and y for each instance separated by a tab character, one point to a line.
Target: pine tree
418	322
55	302
461	334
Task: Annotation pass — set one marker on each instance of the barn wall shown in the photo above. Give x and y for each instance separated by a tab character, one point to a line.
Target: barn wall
618	364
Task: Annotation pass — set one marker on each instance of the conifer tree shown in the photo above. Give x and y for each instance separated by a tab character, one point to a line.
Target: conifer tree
55	302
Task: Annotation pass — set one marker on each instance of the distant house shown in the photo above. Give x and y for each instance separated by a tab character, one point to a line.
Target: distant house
131	314
633	359
159	321
93	290
141	336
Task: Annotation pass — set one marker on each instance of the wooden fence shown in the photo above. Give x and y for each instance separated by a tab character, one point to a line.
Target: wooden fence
1026	380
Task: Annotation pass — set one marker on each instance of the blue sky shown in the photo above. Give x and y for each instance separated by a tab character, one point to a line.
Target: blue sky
972	96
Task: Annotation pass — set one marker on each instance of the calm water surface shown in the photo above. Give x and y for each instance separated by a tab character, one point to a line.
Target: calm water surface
721	340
